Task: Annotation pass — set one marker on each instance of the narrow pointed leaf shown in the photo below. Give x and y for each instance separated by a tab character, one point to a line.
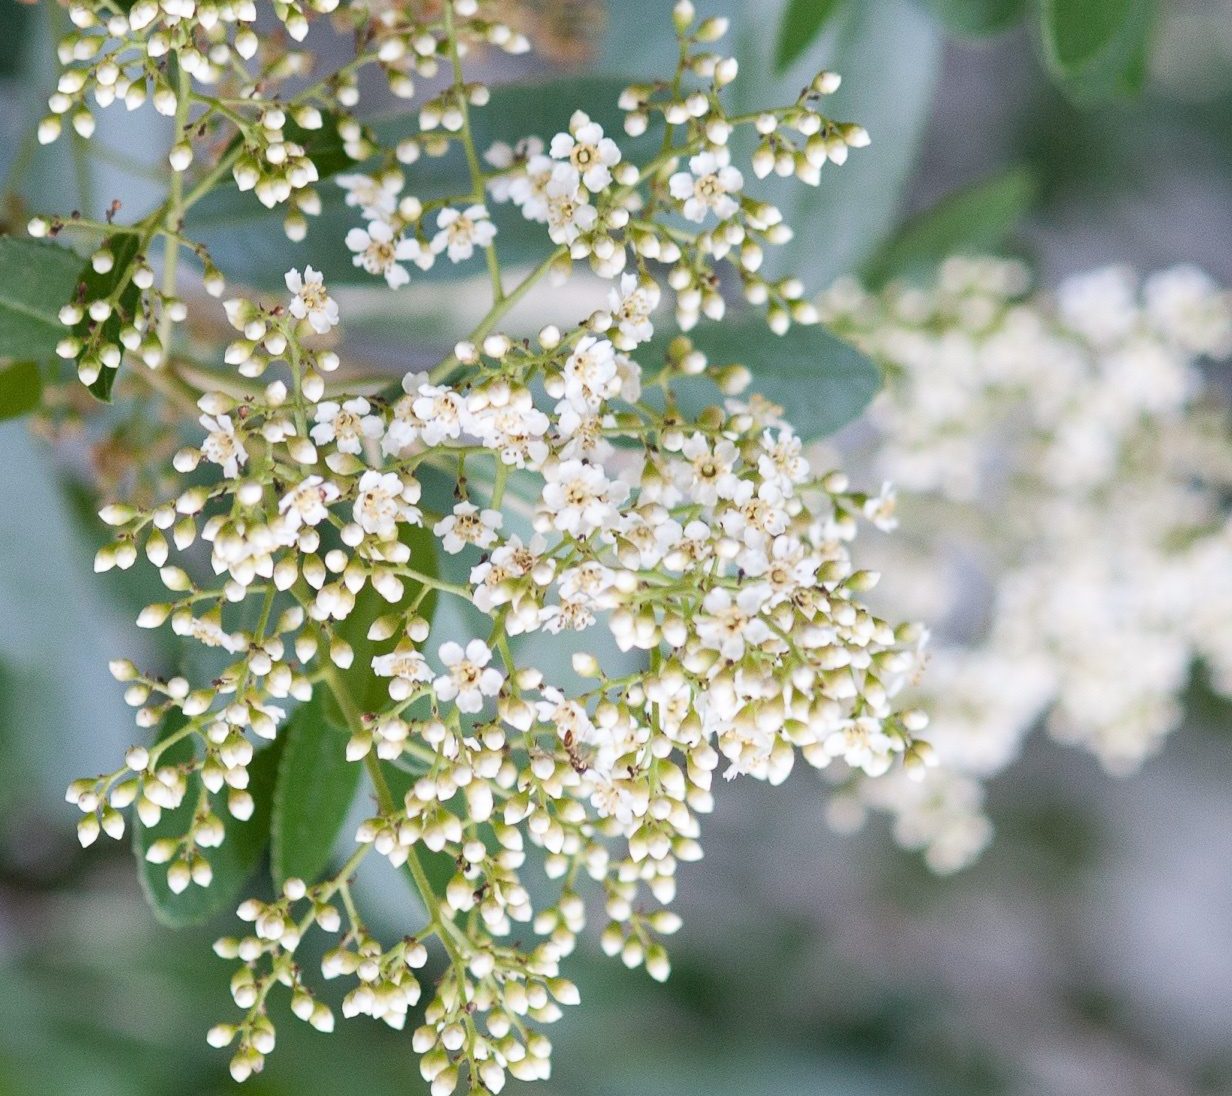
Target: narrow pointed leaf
975	220
802	22
314	791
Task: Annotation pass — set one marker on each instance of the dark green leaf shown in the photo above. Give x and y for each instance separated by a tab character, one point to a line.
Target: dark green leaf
36	278
975	220
233	862
1097	49
324	145
975	18
20	389
14	32
802	23
316	785
821	381
124	247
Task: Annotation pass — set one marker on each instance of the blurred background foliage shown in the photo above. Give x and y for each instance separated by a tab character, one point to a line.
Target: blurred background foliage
1087	953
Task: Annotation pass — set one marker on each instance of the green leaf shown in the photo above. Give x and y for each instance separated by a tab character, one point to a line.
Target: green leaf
1097	49
14	29
21	387
314	791
975	220
821	381
977	18
233	862
324	145
123	246
802	23
36	279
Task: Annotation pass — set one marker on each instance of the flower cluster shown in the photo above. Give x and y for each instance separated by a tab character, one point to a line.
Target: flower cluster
1065	452
549	487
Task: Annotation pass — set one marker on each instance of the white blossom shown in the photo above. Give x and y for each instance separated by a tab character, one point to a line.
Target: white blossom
708	185
467	524
590	154
307	504
380	250
310	302
223	445
383	500
346	424
461	231
468	678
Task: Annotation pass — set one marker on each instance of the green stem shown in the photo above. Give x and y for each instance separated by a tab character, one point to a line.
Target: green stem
175	211
468	144
442	924
498	310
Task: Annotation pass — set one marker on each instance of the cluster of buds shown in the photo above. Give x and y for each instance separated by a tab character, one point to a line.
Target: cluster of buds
552	489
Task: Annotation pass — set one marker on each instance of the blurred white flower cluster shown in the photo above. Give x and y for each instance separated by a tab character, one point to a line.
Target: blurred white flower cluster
1065	465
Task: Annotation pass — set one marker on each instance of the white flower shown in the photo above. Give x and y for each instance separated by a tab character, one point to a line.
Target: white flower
709	474
879	508
694	545
461	231
346	424
788	566
307	504
528	190
587	151
467	524
1185	305
582	432
506	419
730	624
514	163
207	630
376	198
310	301
440	409
862	744
468	677
494	578
379	250
406	666
644	537
591	583
782	462
631	307
222	445
568	213
589	373
404	425
755	513
708	185
383	501
578	498
501	156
